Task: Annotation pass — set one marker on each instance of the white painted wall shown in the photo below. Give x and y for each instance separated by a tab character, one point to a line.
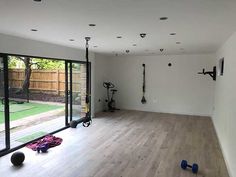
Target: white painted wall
177	89
224	116
16	45
101	74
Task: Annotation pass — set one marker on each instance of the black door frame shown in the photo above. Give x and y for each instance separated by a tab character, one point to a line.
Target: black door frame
6	104
8	148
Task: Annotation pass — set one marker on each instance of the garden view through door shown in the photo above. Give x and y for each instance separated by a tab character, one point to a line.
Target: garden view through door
76	90
38	96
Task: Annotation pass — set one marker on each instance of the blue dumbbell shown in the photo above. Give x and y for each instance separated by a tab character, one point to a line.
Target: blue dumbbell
185	165
43	148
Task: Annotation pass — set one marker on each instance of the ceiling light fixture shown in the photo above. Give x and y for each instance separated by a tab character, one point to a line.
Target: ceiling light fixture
71	40
119	37
172	34
143	35
178	42
37	0
92	24
163	18
34	30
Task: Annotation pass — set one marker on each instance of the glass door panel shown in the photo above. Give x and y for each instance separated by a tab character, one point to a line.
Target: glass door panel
76	86
78	90
2	108
36	97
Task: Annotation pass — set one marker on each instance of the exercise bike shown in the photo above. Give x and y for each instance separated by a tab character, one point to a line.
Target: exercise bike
110	102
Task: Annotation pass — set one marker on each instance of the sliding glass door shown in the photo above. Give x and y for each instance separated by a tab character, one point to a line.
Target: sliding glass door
2	107
76	86
4	134
38	96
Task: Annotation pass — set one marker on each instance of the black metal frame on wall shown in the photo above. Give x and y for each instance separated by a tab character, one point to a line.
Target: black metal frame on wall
8	148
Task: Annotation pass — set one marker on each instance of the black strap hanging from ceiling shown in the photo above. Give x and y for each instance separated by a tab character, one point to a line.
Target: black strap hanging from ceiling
88	119
143	100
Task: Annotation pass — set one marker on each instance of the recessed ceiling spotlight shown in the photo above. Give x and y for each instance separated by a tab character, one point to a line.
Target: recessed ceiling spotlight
163	18
37	0
143	35
134	45
178	42
172	34
34	30
71	40
119	37
92	24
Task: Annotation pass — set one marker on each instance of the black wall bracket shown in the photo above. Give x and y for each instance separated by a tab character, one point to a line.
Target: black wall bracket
210	73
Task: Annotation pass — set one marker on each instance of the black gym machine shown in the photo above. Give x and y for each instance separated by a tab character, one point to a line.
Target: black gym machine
86	121
110	102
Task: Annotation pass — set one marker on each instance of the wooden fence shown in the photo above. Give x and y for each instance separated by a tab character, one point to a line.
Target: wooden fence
49	81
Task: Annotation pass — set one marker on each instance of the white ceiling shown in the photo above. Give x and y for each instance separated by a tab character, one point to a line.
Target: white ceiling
201	25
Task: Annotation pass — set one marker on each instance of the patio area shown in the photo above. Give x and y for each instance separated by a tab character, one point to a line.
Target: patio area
30	119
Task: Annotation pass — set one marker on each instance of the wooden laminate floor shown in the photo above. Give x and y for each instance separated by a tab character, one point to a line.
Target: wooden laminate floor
128	144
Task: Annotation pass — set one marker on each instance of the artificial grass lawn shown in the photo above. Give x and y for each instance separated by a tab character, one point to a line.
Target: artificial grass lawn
16	107
35	108
31	137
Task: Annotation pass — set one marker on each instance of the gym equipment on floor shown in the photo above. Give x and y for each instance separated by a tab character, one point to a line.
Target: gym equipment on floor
143	100
43	148
17	158
111	104
40	144
87	120
210	73
185	165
